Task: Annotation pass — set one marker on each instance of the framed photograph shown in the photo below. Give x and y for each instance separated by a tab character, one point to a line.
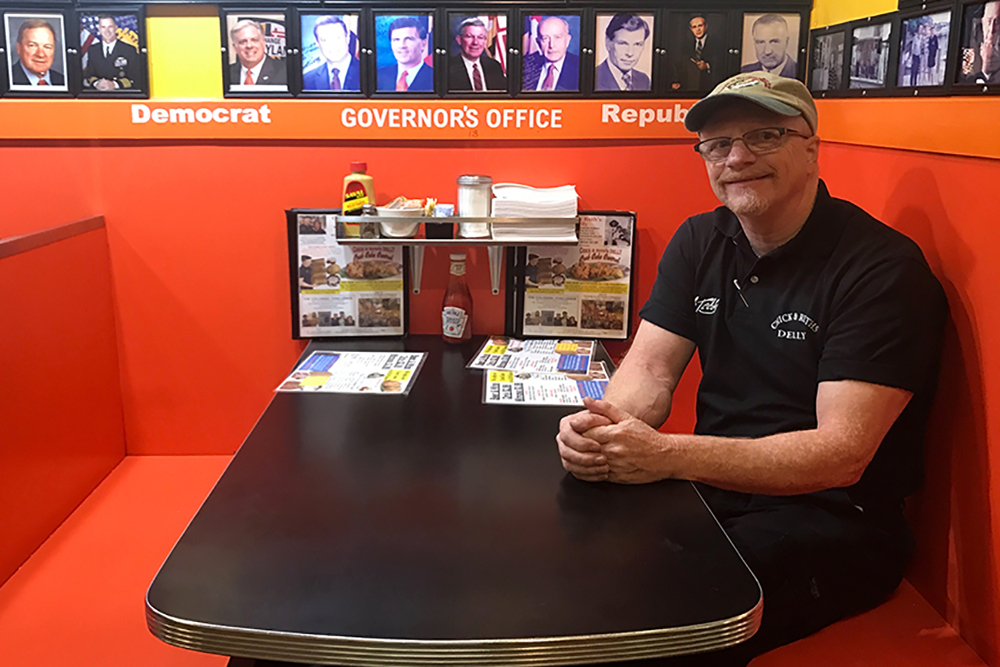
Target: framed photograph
923	50
623	52
550	48
771	43
477	53
582	291
255	61
871	45
343	290
112	52
331	50
36	54
697	51
979	46
404	53
826	61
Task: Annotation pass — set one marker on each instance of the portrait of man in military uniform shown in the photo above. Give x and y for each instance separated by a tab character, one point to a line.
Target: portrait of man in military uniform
111	60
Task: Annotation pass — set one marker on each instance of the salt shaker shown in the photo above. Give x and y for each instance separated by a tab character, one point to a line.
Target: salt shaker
474	194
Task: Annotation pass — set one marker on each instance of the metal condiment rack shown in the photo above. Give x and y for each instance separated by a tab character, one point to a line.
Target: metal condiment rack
493	245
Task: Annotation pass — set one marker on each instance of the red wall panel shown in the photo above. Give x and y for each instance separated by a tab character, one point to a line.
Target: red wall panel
198	252
946	205
61	423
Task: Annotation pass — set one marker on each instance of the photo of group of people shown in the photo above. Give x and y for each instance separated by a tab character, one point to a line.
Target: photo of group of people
870	47
45	44
924	50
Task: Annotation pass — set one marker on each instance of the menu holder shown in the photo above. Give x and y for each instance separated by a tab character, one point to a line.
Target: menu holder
577	291
342	291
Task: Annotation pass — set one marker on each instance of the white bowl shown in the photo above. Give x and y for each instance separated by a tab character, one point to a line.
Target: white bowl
401	229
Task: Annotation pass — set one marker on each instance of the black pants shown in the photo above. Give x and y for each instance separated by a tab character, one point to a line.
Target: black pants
818	559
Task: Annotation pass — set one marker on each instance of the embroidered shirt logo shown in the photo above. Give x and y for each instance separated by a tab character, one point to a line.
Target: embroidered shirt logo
706	306
781	326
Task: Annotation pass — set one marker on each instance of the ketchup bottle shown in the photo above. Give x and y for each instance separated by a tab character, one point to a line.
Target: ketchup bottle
456	310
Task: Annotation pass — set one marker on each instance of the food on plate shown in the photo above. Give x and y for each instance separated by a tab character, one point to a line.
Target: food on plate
375	268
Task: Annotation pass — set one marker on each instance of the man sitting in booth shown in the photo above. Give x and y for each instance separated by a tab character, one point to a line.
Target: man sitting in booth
818	330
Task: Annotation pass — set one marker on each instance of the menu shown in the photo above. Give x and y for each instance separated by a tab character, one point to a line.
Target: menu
345	290
356	373
539	356
582	290
538	388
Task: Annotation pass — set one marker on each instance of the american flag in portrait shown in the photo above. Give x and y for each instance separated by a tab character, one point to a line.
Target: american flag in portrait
128	31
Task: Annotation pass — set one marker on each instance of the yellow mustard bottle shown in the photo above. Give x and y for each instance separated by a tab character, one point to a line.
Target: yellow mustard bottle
359	190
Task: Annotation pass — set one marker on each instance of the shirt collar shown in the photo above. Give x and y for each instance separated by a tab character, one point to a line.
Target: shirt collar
777	68
816	238
33	78
108	47
341	65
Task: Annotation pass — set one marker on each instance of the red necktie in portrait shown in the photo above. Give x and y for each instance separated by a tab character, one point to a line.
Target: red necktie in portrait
550	79
477	78
42	82
401	84
335	79
249	80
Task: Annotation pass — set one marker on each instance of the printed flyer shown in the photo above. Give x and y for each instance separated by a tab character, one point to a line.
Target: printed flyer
356	373
539	356
533	388
346	291
582	290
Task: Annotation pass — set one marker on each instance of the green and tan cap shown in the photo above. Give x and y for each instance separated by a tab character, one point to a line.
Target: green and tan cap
788	97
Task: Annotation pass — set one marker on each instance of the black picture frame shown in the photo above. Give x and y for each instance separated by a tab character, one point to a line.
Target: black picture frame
518	282
310	72
128	69
828	61
273	79
323	321
680	77
605	74
532	62
61	68
498	21
795	28
968	77
907	81
427	81
872	55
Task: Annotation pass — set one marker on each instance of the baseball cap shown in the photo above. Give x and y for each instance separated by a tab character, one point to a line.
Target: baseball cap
788	97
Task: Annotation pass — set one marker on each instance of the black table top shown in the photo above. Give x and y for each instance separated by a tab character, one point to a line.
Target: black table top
433	529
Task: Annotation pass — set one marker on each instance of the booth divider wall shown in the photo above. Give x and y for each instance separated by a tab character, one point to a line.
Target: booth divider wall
61	426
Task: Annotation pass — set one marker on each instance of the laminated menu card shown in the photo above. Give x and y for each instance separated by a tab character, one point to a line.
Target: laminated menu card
547	355
355	373
539	388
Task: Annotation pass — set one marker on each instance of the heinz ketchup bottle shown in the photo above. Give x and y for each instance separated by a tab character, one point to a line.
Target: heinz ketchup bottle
456	310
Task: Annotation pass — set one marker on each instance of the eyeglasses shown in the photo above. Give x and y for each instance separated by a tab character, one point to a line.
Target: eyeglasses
758	142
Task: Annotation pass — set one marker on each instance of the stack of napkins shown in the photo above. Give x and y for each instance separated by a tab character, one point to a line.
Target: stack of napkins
523	201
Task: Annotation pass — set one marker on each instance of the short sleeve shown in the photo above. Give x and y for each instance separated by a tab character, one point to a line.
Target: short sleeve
671	303
887	327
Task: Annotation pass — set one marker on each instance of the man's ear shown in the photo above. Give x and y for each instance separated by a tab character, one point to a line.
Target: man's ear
812	149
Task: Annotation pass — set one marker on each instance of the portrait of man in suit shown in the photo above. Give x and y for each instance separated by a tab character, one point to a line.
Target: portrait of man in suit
253	67
625	40
698	61
773	46
472	69
111	63
338	70
36	47
408	39
552	67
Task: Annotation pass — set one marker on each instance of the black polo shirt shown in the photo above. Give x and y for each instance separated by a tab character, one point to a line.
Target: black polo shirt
846	298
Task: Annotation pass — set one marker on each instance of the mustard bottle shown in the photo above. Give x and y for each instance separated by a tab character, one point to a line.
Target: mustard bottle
359	190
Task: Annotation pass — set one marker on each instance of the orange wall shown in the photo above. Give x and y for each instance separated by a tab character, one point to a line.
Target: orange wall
946	204
198	259
198	251
61	426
